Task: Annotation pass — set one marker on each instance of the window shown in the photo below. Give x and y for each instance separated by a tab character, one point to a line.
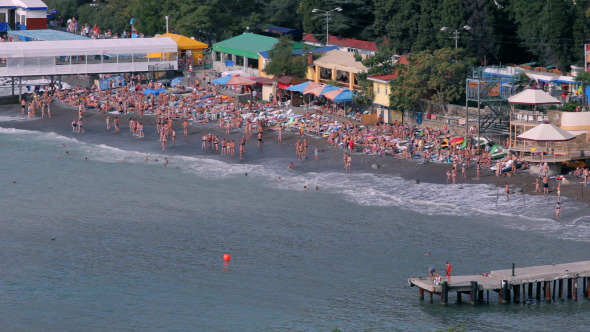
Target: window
2	17
377	88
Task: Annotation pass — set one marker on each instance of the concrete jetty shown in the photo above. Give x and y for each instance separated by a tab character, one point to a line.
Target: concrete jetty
513	285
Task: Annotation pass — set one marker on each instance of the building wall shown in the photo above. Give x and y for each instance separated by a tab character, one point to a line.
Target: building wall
36	23
381	92
575	120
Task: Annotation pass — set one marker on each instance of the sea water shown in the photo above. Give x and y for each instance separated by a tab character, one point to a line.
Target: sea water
101	239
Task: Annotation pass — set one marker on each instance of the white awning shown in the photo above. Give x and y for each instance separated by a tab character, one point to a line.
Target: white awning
34	49
533	96
546	132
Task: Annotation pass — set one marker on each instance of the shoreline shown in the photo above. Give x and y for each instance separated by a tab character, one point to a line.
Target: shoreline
330	157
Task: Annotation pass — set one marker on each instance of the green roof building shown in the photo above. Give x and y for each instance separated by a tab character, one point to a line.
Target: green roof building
240	53
246	45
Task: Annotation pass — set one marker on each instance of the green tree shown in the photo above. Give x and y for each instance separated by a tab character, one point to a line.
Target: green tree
452	16
440	75
284	62
283	13
397	20
353	21
580	30
428	23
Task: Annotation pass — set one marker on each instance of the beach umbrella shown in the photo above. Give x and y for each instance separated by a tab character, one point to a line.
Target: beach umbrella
299	87
318	89
340	95
239	80
222	80
176	81
533	96
546	132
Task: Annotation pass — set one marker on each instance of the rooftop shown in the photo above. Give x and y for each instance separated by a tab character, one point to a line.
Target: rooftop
247	45
340	60
344	42
26	4
388	77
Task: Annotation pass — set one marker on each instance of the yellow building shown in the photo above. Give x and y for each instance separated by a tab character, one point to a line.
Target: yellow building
381	91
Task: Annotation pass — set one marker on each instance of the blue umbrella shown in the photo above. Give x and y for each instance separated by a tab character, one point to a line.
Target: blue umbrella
345	95
340	95
329	88
222	80
299	87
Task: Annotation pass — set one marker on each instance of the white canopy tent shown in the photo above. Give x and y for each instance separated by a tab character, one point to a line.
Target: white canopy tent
546	132
37	58
533	96
87	47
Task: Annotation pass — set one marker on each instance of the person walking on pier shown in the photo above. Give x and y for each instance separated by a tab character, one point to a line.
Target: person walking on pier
449	269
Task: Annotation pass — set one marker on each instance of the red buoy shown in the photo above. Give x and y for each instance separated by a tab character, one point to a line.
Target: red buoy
226	257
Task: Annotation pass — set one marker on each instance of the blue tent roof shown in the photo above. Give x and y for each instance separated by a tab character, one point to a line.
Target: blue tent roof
282	30
222	80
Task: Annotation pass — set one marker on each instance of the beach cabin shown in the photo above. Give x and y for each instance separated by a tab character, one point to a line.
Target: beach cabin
22	15
336	67
344	44
240	53
382	89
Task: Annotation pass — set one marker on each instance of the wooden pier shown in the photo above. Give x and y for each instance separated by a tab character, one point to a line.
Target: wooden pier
516	285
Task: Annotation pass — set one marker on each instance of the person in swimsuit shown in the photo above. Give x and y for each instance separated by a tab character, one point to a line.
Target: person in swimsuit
74	125
108	123
507	189
545	184
260	138
557	210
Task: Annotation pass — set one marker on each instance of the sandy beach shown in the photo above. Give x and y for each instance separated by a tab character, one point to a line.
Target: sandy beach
330	157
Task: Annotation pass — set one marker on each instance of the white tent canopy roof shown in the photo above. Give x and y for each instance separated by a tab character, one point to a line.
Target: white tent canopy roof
87	47
533	96
26	4
546	132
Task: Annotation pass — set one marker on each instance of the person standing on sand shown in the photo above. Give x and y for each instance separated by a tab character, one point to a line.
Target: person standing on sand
448	270
537	188
185	127
280	136
478	170
463	172
545	184
559	192
454	175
